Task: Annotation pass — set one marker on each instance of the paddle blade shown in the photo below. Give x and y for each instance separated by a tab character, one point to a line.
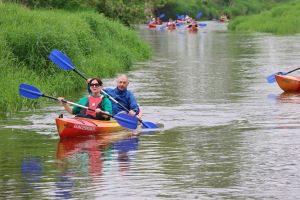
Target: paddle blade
199	15
61	60
162	15
271	78
149	125
180	17
202	24
126	121
29	91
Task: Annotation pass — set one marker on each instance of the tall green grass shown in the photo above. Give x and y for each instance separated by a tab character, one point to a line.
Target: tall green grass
97	46
281	20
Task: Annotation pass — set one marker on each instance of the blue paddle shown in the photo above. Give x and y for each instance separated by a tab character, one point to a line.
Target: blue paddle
271	78
32	92
199	15
180	17
162	15
65	63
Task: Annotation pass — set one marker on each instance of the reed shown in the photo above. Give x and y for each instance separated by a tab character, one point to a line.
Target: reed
281	20
97	46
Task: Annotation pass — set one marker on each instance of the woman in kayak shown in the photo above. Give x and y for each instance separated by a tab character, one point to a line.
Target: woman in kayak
100	103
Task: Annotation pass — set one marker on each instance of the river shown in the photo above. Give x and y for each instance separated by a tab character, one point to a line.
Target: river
226	133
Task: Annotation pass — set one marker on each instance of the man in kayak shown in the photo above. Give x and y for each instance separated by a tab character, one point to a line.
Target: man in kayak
100	103
123	96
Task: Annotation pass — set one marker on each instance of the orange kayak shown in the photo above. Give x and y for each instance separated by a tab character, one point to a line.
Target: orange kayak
288	83
171	27
193	29
78	126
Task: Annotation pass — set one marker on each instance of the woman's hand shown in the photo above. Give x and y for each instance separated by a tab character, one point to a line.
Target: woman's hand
61	100
98	110
104	113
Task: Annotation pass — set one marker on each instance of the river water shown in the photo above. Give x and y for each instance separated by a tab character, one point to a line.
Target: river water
226	133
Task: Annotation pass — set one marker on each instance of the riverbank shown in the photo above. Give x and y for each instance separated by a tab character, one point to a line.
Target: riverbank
280	20
97	46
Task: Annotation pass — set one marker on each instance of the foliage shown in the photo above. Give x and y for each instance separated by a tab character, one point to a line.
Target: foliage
97	46
282	19
58	4
215	8
127	12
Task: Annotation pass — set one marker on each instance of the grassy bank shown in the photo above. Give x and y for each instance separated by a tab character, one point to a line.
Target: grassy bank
214	9
97	47
281	20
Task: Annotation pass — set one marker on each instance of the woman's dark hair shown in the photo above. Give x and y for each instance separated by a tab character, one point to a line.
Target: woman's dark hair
97	79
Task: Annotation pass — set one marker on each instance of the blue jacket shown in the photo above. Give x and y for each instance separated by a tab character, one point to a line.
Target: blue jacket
126	98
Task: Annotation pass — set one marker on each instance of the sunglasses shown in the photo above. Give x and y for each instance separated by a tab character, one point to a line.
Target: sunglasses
94	84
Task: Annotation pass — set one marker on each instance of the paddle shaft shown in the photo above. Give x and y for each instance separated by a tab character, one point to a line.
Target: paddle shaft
293	70
75	104
79	73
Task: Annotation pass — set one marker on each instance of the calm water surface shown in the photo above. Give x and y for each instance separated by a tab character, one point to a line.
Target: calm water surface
227	133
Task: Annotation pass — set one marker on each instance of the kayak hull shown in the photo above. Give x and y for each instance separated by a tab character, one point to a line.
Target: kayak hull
155	26
288	83
78	126
193	29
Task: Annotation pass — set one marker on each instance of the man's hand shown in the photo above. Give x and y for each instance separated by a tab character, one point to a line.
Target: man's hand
132	113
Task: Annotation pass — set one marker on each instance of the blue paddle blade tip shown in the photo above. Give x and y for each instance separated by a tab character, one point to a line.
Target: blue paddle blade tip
272	79
61	60
149	125
29	91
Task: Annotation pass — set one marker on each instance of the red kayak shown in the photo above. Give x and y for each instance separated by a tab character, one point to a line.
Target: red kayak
78	126
288	83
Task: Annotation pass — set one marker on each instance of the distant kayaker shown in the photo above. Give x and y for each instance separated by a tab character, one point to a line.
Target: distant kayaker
171	24
192	24
100	103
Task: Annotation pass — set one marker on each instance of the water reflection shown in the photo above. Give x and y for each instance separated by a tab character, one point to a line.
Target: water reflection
125	149
284	98
91	152
289	97
64	185
31	169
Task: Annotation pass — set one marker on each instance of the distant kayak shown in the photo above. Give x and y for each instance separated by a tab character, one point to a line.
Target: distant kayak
288	83
155	25
171	27
152	25
78	126
193	29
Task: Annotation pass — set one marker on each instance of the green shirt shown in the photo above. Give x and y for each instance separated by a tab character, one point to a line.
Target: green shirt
105	105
